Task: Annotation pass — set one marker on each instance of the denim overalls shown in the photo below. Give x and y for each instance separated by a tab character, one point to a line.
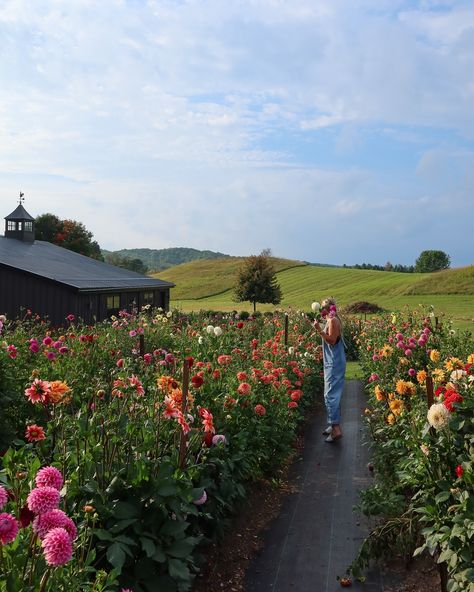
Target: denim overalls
334	361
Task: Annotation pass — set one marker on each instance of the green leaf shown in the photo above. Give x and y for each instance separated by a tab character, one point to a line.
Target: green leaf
103	535
148	546
442	497
116	555
183	548
178	570
173	528
159	556
126	510
122	525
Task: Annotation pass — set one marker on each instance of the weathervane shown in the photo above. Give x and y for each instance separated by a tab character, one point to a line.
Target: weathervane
22	199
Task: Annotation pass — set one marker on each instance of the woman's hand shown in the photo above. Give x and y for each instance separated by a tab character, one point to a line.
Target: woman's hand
317	326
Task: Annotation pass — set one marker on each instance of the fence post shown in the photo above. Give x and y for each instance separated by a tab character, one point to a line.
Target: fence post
185	389
142	344
429	391
286	329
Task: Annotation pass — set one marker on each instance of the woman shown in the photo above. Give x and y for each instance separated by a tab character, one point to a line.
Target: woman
334	362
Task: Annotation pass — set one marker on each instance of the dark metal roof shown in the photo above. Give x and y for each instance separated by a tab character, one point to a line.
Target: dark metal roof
66	267
19	214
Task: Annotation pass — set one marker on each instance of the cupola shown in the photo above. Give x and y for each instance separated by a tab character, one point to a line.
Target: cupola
19	224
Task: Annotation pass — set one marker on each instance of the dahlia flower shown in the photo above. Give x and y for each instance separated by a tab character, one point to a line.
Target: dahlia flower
3	497
8	528
43	499
49	477
438	416
57	547
201	500
43	523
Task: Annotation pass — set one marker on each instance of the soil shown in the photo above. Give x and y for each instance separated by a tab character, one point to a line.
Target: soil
227	561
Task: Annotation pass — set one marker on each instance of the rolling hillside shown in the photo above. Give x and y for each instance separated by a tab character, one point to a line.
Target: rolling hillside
156	259
200	279
208	285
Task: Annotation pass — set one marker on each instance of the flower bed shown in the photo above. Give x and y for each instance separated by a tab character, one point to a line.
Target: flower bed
420	414
127	444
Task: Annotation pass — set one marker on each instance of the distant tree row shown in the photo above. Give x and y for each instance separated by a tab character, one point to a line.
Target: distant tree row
427	262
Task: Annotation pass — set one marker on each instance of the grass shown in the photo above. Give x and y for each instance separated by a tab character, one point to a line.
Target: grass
208	284
354	371
206	277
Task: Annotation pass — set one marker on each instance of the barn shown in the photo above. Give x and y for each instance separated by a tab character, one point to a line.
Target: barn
55	282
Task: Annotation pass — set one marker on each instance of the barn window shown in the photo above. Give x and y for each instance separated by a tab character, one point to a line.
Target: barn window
11	225
113	301
148	297
29	226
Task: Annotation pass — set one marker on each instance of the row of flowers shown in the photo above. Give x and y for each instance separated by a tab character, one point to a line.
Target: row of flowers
153	463
420	383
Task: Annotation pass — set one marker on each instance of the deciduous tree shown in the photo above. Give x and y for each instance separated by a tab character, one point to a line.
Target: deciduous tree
257	281
432	261
69	234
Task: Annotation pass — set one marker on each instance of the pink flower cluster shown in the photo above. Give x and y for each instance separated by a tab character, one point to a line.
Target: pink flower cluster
55	529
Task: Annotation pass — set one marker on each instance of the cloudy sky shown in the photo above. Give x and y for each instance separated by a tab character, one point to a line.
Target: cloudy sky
334	131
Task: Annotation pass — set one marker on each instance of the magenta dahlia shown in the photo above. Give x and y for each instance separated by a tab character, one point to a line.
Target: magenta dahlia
8	528
49	477
57	547
3	497
43	523
43	499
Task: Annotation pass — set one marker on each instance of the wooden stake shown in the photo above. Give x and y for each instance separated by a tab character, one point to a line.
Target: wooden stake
142	344
185	389
429	391
286	329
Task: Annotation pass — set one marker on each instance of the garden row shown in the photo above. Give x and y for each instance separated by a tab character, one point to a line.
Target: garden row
421	417
127	445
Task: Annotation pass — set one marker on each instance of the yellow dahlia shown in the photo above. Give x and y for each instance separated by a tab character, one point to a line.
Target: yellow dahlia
390	419
452	364
421	376
439	375
379	393
434	355
404	387
396	406
470	359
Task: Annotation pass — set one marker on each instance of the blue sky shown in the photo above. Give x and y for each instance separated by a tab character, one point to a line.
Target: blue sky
334	131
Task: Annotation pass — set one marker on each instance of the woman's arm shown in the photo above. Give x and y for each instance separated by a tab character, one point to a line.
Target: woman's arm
333	330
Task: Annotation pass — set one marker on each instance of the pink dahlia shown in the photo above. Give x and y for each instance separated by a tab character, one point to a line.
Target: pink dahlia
57	547
43	499
202	499
43	523
49	477
3	497
8	528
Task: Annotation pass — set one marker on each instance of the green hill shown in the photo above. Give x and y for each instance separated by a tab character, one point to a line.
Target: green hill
156	259
201	279
209	285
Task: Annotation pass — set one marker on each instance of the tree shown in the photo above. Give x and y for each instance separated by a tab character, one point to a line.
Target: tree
429	261
69	234
126	262
257	282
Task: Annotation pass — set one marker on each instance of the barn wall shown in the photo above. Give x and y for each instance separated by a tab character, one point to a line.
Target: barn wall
22	291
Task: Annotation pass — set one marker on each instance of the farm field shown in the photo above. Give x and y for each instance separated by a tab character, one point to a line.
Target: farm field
209	286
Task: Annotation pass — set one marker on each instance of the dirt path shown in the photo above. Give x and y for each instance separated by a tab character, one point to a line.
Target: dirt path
317	533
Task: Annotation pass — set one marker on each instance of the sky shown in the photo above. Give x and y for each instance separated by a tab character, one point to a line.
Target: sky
331	131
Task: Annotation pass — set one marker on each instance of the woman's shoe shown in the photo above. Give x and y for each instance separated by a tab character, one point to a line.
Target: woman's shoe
332	438
327	431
